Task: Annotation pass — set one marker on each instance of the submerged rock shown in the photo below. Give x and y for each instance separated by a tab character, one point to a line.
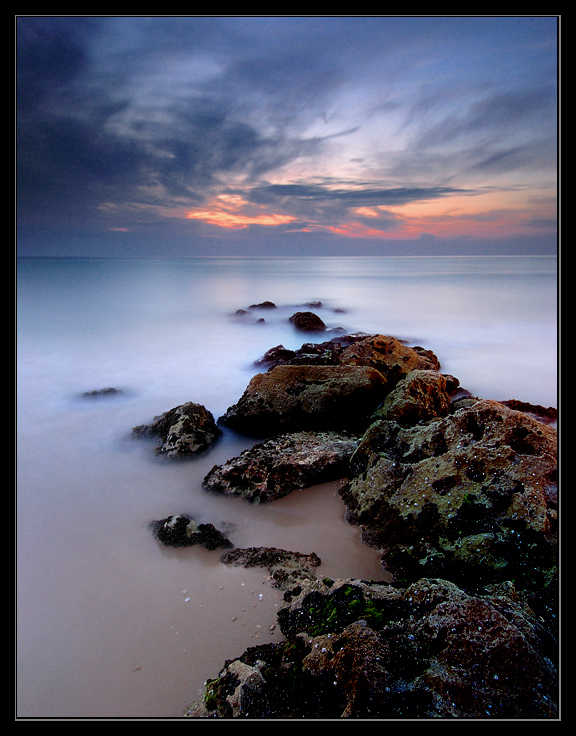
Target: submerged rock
368	650
288	571
270	558
274	468
294	398
182	531
263	305
186	430
101	392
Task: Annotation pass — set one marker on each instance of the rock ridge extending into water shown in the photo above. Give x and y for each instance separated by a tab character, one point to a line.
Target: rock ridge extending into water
459	495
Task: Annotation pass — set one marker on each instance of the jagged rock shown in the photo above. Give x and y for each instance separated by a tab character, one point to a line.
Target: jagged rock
186	430
389	355
307	322
471	497
182	531
294	398
420	396
367	650
272	469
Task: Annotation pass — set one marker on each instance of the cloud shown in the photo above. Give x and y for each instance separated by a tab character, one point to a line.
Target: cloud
316	122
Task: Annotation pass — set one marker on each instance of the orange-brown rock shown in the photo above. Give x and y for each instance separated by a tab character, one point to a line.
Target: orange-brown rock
292	398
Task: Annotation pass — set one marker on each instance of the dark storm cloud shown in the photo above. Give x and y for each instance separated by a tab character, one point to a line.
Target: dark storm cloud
327	204
89	129
366	197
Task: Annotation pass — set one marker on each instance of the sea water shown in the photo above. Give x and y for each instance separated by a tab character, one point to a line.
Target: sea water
111	624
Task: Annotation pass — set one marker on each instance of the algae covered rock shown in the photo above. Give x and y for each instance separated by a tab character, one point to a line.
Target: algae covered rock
471	497
367	650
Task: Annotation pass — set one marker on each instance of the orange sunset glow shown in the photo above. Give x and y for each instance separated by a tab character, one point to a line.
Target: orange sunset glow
235	221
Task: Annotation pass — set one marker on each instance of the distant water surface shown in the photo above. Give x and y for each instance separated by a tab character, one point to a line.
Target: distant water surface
105	628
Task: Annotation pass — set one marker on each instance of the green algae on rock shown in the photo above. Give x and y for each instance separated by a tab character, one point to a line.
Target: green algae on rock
471	497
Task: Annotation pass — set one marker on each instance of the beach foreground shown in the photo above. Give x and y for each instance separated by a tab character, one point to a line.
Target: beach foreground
114	624
459	495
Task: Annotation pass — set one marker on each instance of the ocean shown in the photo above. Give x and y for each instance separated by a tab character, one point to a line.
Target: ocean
110	624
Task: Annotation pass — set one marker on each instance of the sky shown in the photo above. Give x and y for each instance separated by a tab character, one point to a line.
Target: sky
286	135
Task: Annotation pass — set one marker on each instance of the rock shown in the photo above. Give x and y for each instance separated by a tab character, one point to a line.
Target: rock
471	497
547	414
390	356
368	650
100	392
288	571
186	430
323	353
269	557
263	305
182	531
274	468
295	398
387	354
307	322
420	396
278	355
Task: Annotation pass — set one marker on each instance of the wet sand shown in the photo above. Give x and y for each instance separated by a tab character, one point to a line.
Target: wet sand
122	627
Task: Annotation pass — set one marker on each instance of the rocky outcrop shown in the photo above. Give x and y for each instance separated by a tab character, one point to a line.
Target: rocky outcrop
471	497
181	530
272	469
389	355
366	650
294	398
186	430
460	497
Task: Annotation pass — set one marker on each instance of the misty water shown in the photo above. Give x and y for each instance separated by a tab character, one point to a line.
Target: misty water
110	623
